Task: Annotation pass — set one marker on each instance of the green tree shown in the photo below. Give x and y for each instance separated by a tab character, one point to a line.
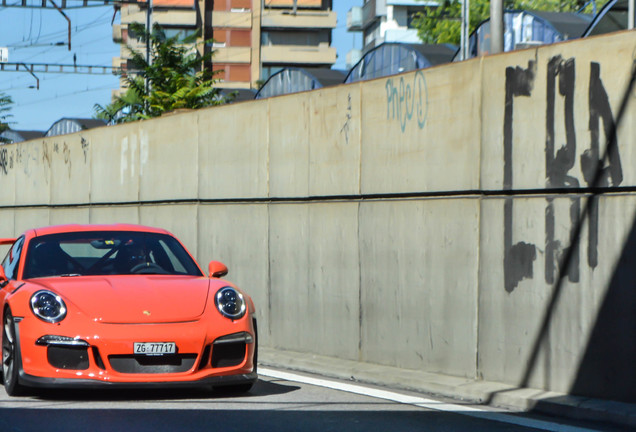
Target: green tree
442	24
172	80
5	108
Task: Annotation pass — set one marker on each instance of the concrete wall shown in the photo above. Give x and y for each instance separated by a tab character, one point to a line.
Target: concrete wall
416	221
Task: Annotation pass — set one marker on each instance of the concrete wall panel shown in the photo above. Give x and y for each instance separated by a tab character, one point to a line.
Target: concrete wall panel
69	215
66	158
170	163
32	174
411	134
180	220
233	151
334	279
288	146
27	218
115	214
307	285
10	160
419	282
7	224
290	296
334	141
116	163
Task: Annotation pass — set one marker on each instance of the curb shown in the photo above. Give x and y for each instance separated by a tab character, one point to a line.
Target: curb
457	388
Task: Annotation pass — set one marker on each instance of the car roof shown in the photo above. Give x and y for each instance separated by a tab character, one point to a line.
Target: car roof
55	229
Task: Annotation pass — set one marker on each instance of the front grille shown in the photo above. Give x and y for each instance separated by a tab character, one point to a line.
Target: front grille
68	357
228	354
152	364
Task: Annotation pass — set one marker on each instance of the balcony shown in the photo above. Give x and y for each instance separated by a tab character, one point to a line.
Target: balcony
232	55
354	19
274	18
371	11
353	57
230	19
298	55
117	34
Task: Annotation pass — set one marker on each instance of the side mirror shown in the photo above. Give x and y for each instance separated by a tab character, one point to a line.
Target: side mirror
3	278
217	269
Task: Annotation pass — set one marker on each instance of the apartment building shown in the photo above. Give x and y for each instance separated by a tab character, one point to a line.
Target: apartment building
251	39
384	21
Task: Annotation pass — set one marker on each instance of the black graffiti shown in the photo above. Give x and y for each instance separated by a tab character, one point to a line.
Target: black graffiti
345	127
558	165
4	161
600	110
518	257
85	144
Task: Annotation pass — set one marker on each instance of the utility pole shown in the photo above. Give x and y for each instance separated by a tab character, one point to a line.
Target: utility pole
148	31
465	30
630	15
496	26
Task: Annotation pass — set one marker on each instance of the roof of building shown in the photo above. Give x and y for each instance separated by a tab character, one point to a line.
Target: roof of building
525	28
238	95
293	80
570	25
70	125
21	135
391	58
612	17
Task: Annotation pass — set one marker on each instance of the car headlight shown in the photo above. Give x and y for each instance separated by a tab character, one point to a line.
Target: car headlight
48	306
230	303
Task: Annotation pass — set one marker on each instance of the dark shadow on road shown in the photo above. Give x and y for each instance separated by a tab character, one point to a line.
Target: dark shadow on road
261	388
283	419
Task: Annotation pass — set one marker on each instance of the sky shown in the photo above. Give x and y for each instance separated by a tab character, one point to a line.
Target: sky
40	36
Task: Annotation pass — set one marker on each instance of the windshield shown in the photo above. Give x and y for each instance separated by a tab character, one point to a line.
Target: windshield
107	253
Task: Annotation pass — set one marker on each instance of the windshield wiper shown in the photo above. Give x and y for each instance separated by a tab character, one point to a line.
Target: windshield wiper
70	275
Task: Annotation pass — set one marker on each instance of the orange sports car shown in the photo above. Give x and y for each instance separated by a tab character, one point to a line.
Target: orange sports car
120	305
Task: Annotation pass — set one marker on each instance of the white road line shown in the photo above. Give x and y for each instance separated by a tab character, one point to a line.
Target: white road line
422	402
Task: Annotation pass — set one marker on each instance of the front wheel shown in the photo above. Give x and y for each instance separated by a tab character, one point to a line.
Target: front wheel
10	358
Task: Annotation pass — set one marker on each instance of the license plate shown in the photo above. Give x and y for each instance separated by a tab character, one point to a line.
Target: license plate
155	348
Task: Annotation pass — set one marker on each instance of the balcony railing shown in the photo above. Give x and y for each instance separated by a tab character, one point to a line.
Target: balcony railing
354	19
274	18
298	54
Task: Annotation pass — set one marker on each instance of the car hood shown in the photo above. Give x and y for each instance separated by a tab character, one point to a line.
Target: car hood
133	299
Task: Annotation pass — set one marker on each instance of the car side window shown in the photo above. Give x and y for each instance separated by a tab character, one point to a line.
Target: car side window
12	259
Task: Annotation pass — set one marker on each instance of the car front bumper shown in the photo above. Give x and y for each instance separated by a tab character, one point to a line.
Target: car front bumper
108	360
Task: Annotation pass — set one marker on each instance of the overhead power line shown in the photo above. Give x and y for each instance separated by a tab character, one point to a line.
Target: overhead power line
32	68
61	68
66	4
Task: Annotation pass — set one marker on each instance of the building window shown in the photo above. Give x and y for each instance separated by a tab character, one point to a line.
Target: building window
180	33
303	38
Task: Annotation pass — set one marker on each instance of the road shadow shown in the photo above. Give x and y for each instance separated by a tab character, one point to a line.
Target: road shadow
261	388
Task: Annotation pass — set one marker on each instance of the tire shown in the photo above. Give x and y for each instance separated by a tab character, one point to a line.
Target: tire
10	357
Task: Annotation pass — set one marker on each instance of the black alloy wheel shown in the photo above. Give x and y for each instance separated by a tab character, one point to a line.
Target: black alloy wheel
10	364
